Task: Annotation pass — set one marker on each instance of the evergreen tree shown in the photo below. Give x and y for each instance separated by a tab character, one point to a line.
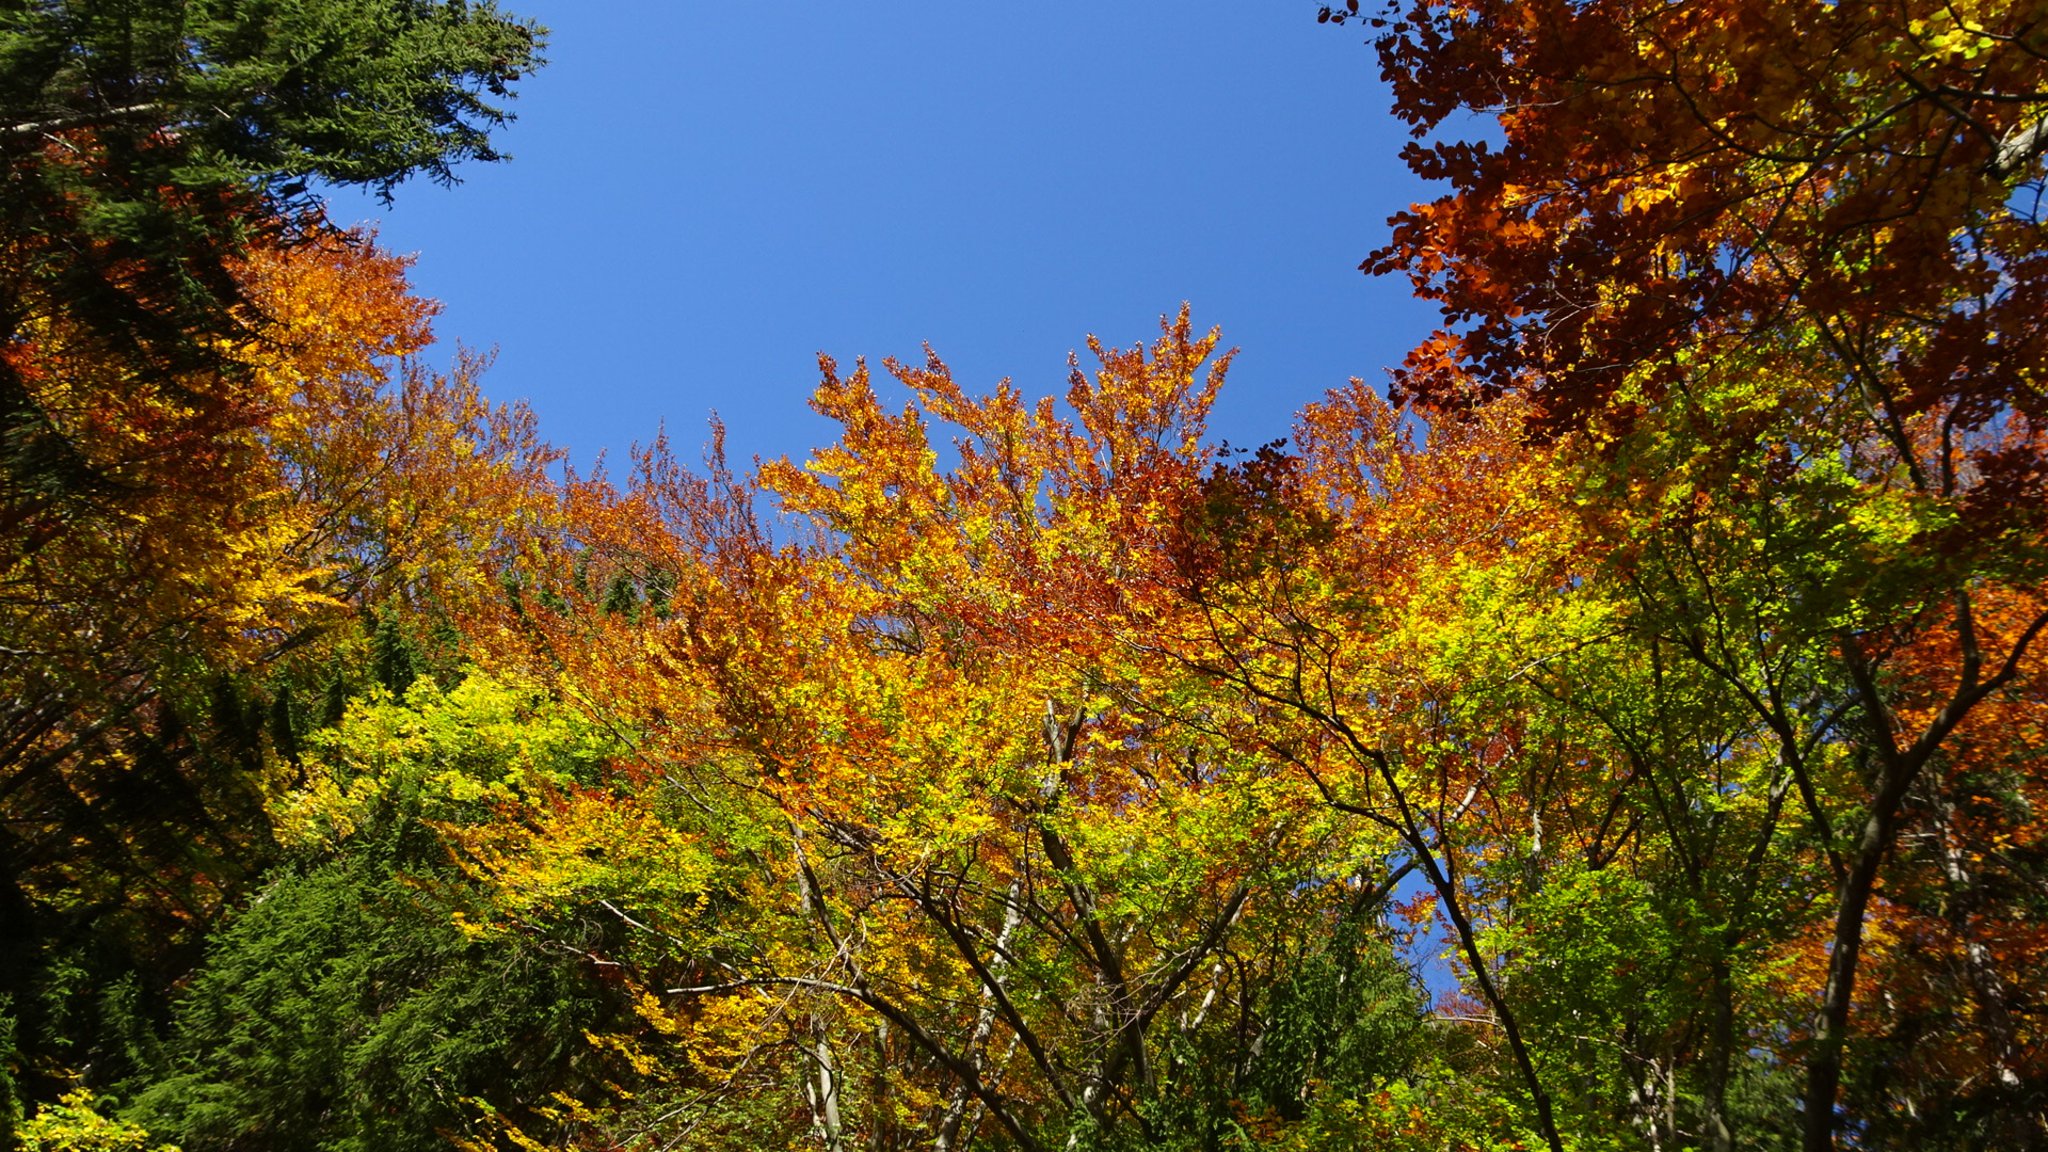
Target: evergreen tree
143	141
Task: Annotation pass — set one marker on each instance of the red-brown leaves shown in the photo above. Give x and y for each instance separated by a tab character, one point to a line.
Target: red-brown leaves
1675	176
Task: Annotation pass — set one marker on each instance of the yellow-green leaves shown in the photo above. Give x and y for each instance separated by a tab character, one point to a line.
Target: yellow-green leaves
440	754
75	1124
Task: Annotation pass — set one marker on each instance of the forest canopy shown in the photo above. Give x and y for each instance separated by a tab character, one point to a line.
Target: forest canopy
1628	729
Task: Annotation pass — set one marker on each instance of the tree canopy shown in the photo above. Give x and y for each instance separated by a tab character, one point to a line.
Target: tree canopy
1629	730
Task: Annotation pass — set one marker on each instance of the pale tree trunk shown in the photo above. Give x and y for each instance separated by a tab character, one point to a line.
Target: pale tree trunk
984	1021
1994	1010
823	1090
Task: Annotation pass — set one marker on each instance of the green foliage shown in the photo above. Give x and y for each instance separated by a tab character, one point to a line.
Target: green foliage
345	1008
10	1086
226	91
115	867
396	660
1346	1019
1596	958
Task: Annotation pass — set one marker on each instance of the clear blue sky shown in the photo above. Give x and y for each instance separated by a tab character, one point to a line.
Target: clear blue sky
705	195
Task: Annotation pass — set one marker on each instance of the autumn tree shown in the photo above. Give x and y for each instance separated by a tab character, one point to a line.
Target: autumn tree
169	642
1773	272
966	853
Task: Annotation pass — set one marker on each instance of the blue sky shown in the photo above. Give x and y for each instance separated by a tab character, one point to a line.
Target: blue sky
705	195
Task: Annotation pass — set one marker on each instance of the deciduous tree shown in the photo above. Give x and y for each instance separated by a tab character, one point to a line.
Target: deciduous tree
1775	272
